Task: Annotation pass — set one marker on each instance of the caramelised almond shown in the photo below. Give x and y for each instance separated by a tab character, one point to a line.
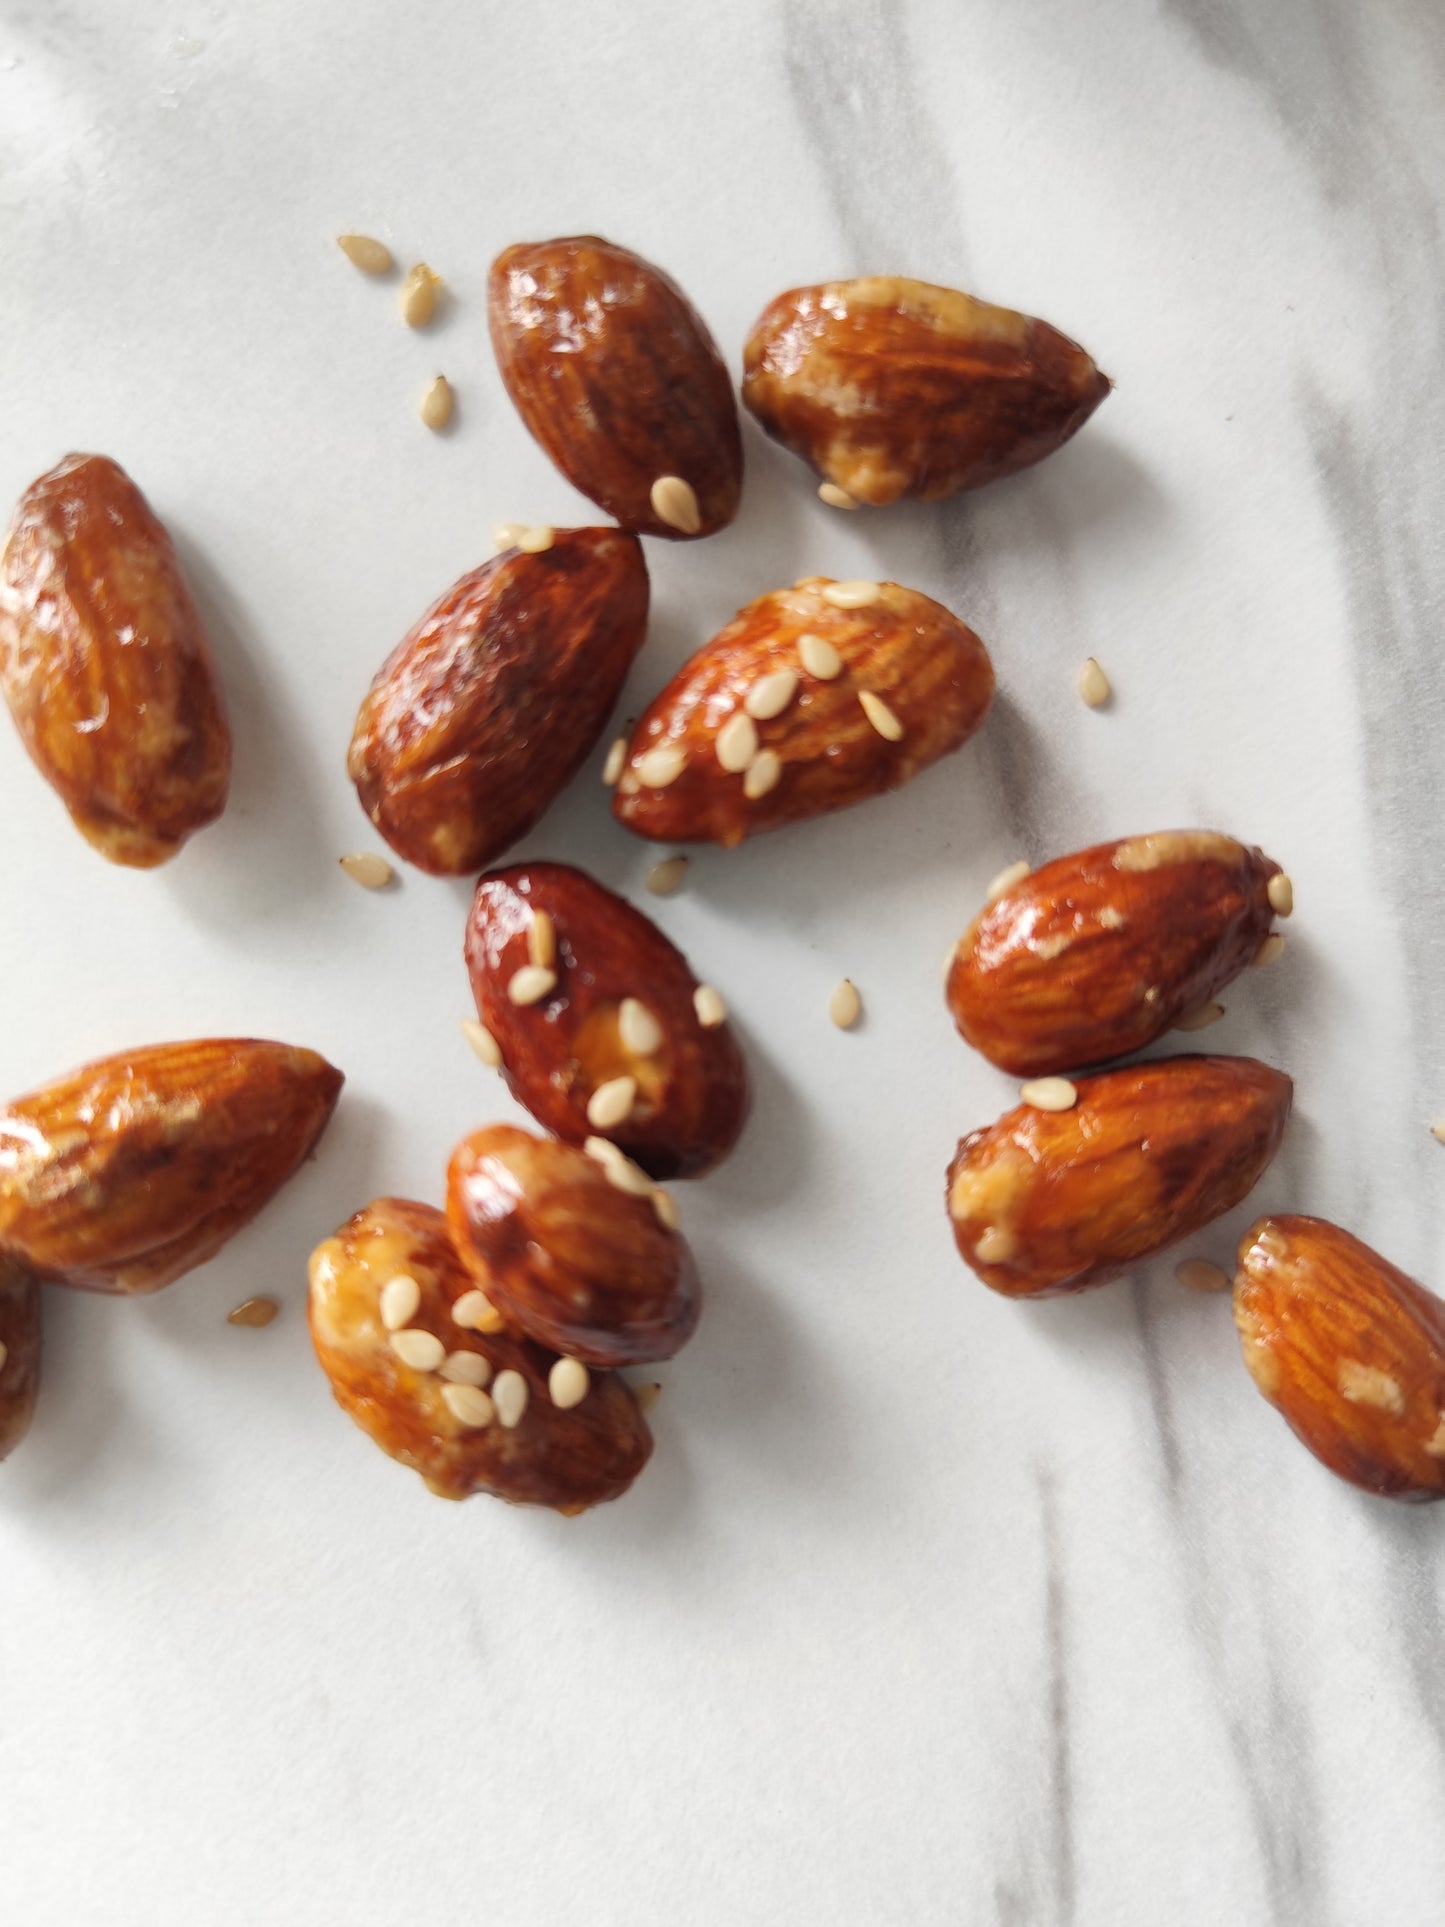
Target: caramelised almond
1095	954
19	1351
490	705
623	1007
132	1170
566	1254
1349	1349
914	684
1049	1201
889	388
614	372
450	1424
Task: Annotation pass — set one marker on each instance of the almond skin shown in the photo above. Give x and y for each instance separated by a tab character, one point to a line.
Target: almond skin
105	665
930	671
136	1168
19	1352
1349	1349
1096	954
1045	1202
892	388
692	1090
566	1459
615	374
488	708
564	1255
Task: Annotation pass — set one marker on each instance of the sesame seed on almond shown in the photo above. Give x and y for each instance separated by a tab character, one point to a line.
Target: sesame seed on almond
1280	892
542	940
851	595
469	1405
880	716
736	742
466	1368
422	1350
771	694
568	1383
763	774
1050	1094
400	1297
710	1008
616	762
674	501
656	768
612	1103
531	984
475	1312
638	1028
819	657
509	1396
482	1042
1005	881
835	497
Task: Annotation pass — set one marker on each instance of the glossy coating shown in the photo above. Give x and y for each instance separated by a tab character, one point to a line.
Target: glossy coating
488	707
692	1092
892	388
615	374
19	1352
105	664
1055	1201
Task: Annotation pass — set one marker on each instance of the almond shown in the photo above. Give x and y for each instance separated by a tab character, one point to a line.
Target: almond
1049	1201
914	683
565	1253
1349	1349
614	372
1097	953
132	1170
106	667
889	388
446	1423
623	1005
19	1351
489	706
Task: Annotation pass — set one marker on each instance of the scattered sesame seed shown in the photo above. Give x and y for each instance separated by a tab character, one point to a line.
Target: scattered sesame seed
664	878
509	1395
536	541
835	497
469	1406
850	595
531	984
1435	1445
542	940
819	658
364	251
1280	892
618	1168
368	869
482	1042
400	1297
422	1350
880	715
646	1396
950	960
419	296
674	501
475	1312
616	762
504	535
845	1006
638	1028
436	403
1197	1274
466	1368
736	742
1437	1130
1268	951
771	694
763	773
665	1205
611	1103
995	1245
255	1312
1005	881
710	1008
1050	1094
568	1383
1093	684
1367	1385
1201	1018
661	766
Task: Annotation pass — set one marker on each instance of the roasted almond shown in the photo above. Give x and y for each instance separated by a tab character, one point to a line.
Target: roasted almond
488	707
565	1253
890	388
614	372
1053	1200
19	1351
106	667
1349	1349
133	1170
1097	953
879	682
623	1005
482	1418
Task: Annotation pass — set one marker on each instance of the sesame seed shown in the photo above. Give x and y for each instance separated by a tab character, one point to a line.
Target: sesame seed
1367	1385
536	541
483	1043
835	497
771	694
365	252
737	742
763	774
1005	881
638	1028
4	1354
436	403
1280	892
995	1245
665	1205
661	766
674	501
664	878
368	869
880	715
542	940
618	1168
710	1008
475	1312
509	1395
466	1368
400	1297
1437	1130
1435	1445
845	1006
1050	1094
1197	1274
616	762
950	960
1268	951
645	1397
531	984
419	296
1093	684
255	1312
611	1103
469	1406
568	1382
1201	1019
819	658
504	535
422	1350
850	595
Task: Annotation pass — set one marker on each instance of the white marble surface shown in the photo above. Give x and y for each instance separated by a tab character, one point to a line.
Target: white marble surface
932	1608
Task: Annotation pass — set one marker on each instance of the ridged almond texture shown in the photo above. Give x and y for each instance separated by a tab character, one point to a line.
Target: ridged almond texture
822	750
1349	1349
564	1255
136	1168
614	372
1053	1201
105	664
691	1081
568	1459
891	388
19	1352
488	707
1095	954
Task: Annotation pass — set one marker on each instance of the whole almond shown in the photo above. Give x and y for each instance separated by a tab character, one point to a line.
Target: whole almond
1049	1201
489	706
19	1351
1349	1349
915	683
565	1253
105	664
691	1087
614	372
889	388
1095	954
443	1423
132	1170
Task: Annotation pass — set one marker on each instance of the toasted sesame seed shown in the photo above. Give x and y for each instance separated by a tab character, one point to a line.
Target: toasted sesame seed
611	1103
1005	881
1280	892
664	878
469	1406
466	1368
475	1312
400	1297
661	766
482	1042
509	1395
1435	1445
531	984
880	715
618	1168
364	251
845	1006
850	595
1093	684
710	1008
645	1397
835	497
422	1350
1437	1130
568	1382
368	869
1201	1018
1366	1385
1050	1094
436	403
665	1205
736	742
537	540
819	657
1268	951
504	535
995	1245
1197	1274
419	296
638	1028
542	940
616	762
255	1312
674	501
771	694
762	775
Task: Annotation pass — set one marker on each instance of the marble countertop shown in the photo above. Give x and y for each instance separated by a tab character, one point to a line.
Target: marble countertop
932	1608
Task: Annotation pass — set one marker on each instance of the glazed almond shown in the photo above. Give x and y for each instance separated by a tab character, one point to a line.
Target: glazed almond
615	374
488	707
890	388
877	682
105	665
1096	954
19	1351
1052	1200
132	1170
